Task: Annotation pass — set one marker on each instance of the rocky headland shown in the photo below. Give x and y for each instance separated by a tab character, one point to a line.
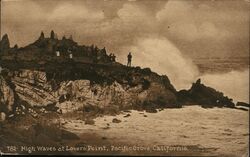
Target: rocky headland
53	87
43	75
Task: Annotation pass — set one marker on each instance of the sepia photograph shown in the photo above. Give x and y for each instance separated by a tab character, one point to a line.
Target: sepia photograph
124	77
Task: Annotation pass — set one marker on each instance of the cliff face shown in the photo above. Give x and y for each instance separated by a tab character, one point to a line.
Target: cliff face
37	89
68	87
6	96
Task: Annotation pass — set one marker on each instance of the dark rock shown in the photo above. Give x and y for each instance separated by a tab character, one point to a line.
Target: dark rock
243	104
4	43
92	109
65	97
51	107
151	110
51	131
145	84
150	107
69	135
41	36
205	96
127	115
44	140
104	138
15	47
115	120
145	116
146	71
89	121
161	109
184	97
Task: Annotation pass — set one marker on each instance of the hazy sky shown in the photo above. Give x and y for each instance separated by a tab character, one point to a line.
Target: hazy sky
195	27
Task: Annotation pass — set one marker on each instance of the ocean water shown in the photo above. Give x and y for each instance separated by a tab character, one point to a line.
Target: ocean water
229	75
216	131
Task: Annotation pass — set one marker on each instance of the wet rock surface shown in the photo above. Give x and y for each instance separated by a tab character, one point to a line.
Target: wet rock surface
205	96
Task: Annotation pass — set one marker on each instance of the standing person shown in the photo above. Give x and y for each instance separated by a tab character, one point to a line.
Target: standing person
129	59
113	57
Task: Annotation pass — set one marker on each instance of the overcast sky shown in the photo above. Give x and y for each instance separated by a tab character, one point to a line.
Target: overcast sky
195	27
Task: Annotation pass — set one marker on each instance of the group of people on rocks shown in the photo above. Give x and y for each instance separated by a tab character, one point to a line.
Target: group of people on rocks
129	58
112	57
101	56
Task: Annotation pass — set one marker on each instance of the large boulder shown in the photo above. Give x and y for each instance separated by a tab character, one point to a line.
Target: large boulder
32	87
204	96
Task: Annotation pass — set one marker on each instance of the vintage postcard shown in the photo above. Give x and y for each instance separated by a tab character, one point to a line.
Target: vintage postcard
124	77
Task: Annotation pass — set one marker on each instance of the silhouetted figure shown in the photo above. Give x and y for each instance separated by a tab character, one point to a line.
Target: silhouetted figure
96	49
129	59
198	81
113	58
103	51
52	35
63	38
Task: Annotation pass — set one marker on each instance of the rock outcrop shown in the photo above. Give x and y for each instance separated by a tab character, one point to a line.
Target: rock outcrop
4	44
43	89
6	96
7	99
243	104
204	96
42	75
